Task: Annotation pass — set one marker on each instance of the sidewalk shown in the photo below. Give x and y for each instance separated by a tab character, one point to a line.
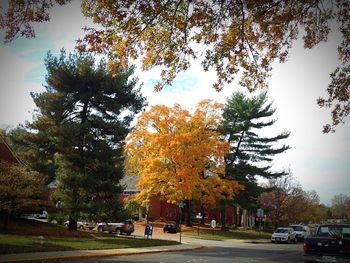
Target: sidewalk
76	254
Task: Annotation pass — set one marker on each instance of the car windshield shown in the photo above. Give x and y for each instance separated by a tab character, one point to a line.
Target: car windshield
297	228
334	230
281	230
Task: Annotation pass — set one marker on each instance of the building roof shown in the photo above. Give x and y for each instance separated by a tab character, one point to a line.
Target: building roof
6	153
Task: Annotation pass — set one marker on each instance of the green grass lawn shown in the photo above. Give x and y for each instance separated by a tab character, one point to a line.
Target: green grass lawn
17	244
22	236
232	234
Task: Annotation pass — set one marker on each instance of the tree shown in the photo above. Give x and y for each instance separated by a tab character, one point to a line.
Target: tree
36	150
338	207
19	16
285	203
238	36
347	207
314	211
21	190
180	156
250	152
84	115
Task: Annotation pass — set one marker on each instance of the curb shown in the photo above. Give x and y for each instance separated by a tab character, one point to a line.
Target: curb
81	254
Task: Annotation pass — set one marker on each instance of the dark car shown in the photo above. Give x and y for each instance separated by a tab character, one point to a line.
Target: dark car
330	244
171	227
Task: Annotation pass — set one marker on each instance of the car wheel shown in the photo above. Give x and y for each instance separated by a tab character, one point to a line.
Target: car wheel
81	227
117	231
288	241
100	229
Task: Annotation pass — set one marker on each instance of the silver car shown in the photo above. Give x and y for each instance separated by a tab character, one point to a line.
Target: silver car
83	225
284	234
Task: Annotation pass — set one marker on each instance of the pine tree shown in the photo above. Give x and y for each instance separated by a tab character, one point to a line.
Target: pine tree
250	153
82	120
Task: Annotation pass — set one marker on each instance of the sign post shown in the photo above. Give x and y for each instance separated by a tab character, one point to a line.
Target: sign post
213	225
260	215
199	217
181	205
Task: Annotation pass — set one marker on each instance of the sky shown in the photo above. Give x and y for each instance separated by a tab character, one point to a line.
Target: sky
320	162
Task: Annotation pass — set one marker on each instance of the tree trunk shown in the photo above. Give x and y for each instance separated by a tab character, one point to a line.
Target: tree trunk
7	219
188	213
203	215
72	225
223	215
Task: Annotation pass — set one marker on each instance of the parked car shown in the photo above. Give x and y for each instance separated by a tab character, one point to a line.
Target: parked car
41	215
330	244
125	227
171	227
83	224
301	231
284	234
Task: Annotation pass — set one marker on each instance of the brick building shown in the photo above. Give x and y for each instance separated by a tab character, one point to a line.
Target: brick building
161	210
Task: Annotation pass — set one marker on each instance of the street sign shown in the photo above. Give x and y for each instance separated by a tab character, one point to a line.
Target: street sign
181	204
260	213
213	223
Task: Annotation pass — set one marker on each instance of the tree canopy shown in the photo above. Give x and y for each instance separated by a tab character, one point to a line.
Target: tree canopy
180	155
82	119
235	38
251	152
286	203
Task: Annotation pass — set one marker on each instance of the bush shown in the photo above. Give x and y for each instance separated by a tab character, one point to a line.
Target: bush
57	216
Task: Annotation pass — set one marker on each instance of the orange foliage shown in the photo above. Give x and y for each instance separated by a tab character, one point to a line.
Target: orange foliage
179	155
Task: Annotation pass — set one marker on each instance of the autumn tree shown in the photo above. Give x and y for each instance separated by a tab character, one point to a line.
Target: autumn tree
179	155
285	203
238	37
338	206
251	151
347	207
314	211
21	190
83	116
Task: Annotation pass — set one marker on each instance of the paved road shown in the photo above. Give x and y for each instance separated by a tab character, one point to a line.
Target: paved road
219	251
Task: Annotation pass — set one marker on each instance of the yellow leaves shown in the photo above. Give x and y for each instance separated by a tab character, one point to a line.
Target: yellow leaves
148	60
179	155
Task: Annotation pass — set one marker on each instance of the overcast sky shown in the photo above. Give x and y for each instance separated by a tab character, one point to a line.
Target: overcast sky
319	162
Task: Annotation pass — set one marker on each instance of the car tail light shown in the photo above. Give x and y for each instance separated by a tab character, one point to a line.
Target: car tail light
306	247
348	250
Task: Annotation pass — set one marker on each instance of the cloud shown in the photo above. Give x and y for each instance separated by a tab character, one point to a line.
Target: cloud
15	101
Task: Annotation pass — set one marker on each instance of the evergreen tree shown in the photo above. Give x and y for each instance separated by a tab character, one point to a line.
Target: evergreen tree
36	150
250	153
82	120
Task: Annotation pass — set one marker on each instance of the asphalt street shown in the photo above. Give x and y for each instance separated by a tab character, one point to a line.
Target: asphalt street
218	251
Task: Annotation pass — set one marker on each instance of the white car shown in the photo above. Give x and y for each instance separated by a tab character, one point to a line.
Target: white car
284	234
42	215
301	231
